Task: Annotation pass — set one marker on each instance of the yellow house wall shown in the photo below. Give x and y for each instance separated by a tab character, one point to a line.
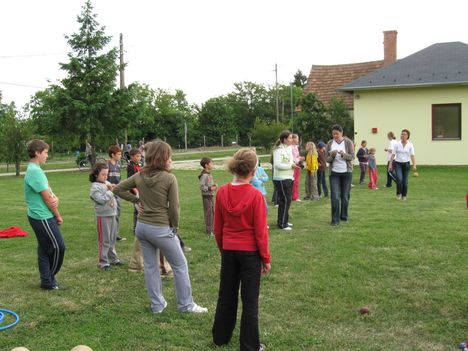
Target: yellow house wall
397	109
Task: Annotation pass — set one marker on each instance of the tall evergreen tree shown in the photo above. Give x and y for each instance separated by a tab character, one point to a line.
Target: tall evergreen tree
82	102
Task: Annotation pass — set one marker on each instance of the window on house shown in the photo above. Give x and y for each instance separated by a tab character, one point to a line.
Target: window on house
446	122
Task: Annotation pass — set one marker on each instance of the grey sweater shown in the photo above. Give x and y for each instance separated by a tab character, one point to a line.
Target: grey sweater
348	156
105	204
206	182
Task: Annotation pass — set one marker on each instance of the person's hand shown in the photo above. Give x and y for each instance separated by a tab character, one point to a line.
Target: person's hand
266	268
295	166
341	152
390	167
54	201
414	168
110	186
59	220
333	153
214	187
140	208
301	158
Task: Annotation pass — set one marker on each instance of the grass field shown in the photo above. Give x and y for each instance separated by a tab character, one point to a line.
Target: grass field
406	260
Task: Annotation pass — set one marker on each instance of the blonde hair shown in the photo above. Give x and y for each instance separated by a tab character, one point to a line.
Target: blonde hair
295	136
243	162
372	150
314	148
157	153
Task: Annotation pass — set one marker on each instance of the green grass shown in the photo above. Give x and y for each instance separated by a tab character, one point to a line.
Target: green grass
406	260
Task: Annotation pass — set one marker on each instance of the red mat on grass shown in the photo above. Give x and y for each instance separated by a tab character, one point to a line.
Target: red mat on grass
12	232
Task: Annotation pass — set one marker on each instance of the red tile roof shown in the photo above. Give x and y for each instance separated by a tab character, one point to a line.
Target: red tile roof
323	80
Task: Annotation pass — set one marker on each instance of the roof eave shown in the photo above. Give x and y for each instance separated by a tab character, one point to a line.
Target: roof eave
402	86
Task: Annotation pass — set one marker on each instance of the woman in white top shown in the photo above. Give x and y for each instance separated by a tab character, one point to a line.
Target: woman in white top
402	154
283	177
340	156
389	150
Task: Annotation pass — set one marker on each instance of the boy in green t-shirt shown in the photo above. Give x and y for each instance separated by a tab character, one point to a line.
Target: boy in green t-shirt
43	215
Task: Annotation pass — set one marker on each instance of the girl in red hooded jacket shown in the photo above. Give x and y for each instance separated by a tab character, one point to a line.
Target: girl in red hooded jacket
241	233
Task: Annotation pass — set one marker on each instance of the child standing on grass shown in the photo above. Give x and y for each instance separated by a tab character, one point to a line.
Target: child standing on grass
105	206
242	238
133	167
44	216
115	155
311	172
362	155
297	171
259	180
322	167
372	169
207	187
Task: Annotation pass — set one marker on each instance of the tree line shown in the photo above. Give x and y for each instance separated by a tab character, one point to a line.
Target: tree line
88	106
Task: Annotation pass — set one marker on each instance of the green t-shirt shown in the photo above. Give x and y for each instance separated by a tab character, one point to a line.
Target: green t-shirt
35	182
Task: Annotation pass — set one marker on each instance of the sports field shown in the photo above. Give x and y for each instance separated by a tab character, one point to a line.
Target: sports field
407	261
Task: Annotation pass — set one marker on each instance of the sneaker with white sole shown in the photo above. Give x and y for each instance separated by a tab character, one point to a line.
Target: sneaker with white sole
290	225
197	309
162	309
287	228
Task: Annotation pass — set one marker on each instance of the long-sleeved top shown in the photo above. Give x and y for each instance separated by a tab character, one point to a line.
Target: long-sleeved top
283	163
311	162
114	172
362	154
322	159
372	162
240	220
105	204
259	179
159	195
348	156
206	182
133	168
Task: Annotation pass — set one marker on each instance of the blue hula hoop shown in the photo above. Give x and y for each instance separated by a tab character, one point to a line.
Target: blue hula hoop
2	315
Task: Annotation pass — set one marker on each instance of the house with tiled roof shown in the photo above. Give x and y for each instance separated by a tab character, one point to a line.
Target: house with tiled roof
427	93
324	80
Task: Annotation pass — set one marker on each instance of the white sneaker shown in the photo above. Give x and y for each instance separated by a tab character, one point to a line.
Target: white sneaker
197	309
403	198
287	228
162	309
398	197
298	200
290	225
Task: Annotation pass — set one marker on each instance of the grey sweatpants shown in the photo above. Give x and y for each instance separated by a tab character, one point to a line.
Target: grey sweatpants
107	234
311	186
208	211
152	239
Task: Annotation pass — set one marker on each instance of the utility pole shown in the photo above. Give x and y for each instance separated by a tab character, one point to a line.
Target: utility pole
185	132
292	108
276	87
122	77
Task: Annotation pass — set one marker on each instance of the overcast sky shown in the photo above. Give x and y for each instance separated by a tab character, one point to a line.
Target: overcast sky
204	46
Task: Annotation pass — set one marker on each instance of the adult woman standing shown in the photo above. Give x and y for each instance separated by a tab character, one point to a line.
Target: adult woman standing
283	177
340	154
402	154
389	150
157	224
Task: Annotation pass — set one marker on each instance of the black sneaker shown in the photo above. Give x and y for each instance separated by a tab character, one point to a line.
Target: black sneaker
118	263
119	238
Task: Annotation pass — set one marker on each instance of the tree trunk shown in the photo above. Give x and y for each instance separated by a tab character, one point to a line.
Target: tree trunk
17	168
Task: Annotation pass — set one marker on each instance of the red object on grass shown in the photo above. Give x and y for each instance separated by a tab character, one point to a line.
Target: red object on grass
466	197
12	232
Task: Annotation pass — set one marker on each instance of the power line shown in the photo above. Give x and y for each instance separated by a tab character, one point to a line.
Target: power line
22	85
31	55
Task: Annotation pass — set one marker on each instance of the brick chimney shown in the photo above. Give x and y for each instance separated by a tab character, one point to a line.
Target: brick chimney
389	43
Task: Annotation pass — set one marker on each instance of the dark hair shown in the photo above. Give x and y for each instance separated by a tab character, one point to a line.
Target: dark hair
36	145
134	152
113	149
284	135
407	132
338	128
243	162
98	167
391	135
363	141
204	161
157	153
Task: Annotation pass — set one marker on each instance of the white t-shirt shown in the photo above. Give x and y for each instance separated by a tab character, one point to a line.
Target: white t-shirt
403	153
391	147
339	163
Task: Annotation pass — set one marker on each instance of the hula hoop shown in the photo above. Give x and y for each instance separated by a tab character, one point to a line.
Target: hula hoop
2	314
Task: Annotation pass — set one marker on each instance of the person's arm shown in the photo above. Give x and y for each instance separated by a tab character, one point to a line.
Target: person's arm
413	161
101	196
261	232
218	223
123	190
173	198
52	203
329	155
278	158
349	154
204	183
264	175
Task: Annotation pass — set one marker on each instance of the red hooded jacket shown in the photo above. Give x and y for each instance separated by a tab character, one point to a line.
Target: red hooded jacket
240	221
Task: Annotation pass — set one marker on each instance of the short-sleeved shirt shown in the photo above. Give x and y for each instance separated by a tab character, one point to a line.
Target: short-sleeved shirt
35	182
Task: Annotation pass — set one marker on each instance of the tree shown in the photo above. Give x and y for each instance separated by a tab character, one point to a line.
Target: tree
265	134
312	122
83	100
300	79
216	119
339	114
14	133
